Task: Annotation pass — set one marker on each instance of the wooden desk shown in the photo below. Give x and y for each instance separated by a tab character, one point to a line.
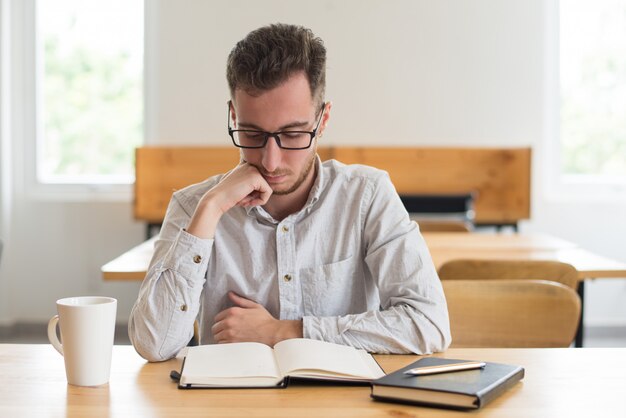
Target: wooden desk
132	265
559	382
450	246
444	246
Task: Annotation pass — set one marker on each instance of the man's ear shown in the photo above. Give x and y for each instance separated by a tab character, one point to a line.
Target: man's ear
232	114
325	118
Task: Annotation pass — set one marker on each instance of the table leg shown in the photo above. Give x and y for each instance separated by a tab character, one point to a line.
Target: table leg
581	329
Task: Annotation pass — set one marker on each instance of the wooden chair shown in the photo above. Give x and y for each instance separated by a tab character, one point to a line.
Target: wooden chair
510	270
511	313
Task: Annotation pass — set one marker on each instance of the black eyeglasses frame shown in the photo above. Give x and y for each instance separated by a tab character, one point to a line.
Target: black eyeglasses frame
275	135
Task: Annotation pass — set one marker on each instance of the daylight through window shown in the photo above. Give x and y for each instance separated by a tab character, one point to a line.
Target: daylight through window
90	90
593	88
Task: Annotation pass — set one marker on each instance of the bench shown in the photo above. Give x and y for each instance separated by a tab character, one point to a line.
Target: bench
497	178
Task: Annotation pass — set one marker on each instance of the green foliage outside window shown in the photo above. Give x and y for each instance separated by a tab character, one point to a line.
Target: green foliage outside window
93	113
90	90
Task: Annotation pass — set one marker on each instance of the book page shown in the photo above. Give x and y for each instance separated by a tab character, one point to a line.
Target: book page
212	364
310	358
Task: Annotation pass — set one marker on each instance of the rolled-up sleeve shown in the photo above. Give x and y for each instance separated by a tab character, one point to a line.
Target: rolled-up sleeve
161	321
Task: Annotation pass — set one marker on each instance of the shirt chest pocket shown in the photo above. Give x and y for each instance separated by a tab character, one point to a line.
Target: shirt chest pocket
332	289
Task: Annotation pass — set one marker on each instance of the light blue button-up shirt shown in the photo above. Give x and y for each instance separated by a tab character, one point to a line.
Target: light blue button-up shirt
350	264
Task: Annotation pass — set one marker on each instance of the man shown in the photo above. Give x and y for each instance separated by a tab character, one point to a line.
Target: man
284	246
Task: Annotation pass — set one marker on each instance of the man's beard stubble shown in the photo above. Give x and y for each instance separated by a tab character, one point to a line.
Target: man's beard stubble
305	173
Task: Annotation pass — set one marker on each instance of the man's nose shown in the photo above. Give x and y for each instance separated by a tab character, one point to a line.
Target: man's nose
271	154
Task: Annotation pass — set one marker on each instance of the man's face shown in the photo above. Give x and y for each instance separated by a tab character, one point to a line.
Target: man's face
287	107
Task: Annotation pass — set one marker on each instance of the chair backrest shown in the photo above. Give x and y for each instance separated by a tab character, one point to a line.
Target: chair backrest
510	270
511	313
428	225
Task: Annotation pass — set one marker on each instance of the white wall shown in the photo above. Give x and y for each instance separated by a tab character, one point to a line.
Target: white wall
399	72
402	72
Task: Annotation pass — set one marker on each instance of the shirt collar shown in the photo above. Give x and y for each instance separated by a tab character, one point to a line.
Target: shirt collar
318	184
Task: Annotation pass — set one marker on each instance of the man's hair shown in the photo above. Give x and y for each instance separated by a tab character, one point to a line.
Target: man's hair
268	56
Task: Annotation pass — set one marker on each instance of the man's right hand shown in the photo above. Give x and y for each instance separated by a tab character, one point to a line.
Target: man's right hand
243	186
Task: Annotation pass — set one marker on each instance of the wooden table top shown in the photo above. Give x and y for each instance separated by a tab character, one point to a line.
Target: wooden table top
559	382
132	265
444	246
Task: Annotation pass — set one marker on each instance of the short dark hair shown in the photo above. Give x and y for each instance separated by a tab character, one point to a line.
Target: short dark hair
268	56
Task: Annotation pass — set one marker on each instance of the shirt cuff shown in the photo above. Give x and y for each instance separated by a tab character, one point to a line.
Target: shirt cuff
188	256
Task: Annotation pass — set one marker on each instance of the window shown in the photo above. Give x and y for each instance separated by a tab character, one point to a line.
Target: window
593	91
89	94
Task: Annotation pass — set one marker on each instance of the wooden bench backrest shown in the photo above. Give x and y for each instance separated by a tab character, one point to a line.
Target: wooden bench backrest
500	176
159	171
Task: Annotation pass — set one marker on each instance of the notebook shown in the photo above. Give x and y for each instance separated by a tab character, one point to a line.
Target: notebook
469	389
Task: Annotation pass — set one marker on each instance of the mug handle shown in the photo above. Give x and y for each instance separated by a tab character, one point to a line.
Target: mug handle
52	334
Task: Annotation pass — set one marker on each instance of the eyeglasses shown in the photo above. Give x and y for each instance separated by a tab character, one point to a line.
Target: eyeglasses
291	140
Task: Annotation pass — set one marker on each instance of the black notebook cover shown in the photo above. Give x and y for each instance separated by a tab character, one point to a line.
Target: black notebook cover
469	389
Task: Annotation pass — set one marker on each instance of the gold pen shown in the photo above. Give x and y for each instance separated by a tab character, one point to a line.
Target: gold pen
445	368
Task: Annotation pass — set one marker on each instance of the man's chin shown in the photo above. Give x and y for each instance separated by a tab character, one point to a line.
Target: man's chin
282	191
285	189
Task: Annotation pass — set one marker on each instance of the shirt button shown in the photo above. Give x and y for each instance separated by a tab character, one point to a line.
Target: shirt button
183	308
197	259
285	228
287	277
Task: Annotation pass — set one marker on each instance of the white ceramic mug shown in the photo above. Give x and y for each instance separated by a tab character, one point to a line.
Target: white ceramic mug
87	326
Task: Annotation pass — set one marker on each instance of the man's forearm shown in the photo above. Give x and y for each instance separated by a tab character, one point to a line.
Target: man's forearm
244	185
161	322
398	330
205	218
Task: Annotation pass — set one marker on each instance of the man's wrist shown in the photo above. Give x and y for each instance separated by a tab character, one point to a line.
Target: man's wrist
288	329
205	218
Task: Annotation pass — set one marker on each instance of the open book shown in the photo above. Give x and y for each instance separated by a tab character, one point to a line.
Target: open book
258	365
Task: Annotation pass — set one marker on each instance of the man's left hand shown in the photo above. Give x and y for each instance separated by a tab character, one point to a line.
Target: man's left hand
248	321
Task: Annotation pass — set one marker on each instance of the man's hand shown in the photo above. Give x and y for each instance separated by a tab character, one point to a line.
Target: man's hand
243	186
248	321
